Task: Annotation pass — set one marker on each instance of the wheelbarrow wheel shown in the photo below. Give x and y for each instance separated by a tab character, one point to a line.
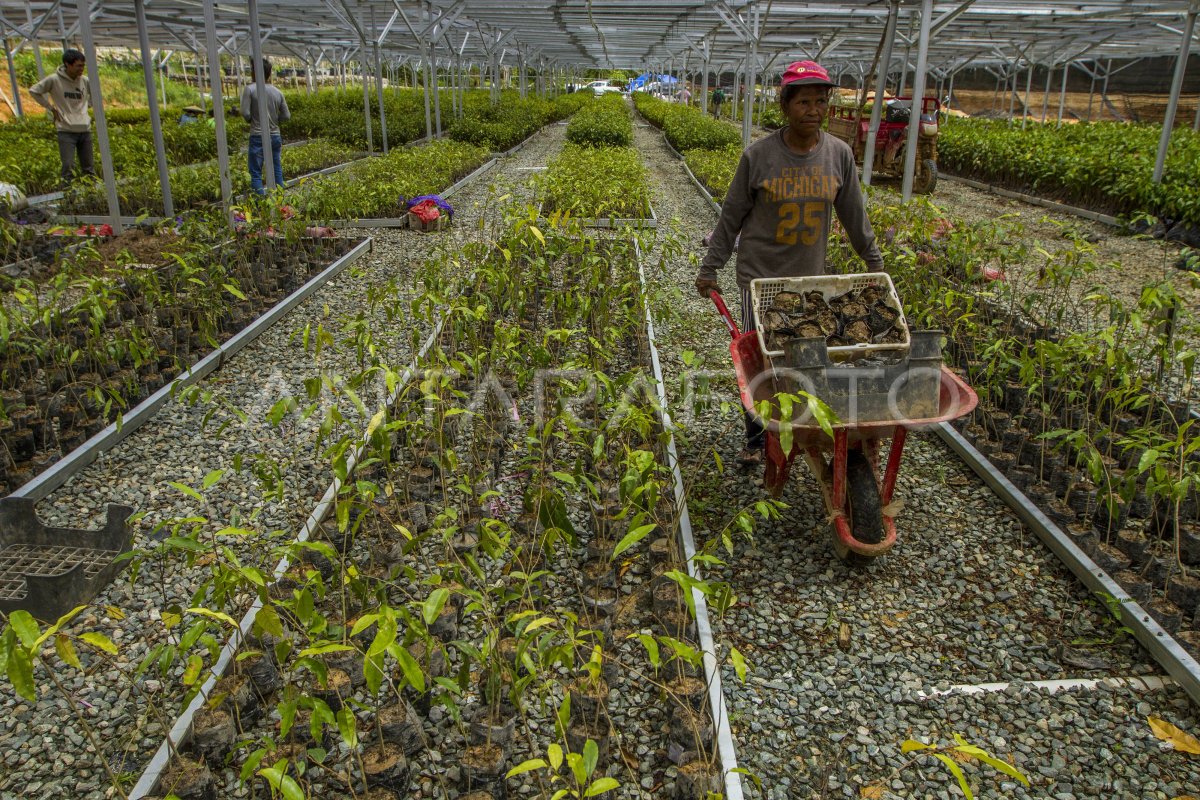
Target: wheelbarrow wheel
864	509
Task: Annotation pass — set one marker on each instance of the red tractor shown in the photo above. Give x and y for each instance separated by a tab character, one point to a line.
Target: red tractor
850	124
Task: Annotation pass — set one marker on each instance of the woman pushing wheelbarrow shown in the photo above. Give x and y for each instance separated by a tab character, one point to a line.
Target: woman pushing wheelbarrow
779	204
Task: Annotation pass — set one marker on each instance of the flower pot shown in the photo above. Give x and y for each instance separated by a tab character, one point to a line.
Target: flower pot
493	725
598	573
1132	543
666	597
1133	584
482	768
385	765
445	627
600	600
1184	591
1013	439
338	687
1082	499
214	732
399	724
691	731
589	700
690	692
1166	613
578	735
1002	460
698	780
188	780
1108	557
263	675
1021	476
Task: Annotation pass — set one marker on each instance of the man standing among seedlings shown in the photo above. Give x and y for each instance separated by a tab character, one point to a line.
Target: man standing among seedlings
277	112
780	201
64	93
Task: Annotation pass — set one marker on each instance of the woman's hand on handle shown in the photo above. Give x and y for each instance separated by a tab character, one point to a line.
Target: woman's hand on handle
706	285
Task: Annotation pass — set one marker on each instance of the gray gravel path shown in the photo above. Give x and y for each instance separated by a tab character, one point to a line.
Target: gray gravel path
968	596
45	749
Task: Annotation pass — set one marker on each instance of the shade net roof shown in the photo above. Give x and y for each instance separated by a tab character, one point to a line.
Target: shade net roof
633	34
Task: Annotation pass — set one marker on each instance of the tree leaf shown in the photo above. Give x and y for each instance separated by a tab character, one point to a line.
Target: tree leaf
434	604
66	651
957	772
20	673
526	766
347	726
601	786
872	791
632	538
100	642
233	290
739	663
219	616
26	628
1180	740
555	754
409	666
909	745
189	491
591	755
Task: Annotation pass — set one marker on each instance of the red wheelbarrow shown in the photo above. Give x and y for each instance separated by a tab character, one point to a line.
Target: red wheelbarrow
859	503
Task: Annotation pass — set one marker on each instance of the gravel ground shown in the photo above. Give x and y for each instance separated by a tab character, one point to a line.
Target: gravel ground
46	753
968	596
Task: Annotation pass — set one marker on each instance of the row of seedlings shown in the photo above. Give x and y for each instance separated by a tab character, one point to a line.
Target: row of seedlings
97	337
598	176
1084	399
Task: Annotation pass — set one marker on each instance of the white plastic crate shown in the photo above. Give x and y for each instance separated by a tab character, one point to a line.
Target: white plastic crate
763	291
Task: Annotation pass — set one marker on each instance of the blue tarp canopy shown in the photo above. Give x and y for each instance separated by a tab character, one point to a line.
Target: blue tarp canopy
649	77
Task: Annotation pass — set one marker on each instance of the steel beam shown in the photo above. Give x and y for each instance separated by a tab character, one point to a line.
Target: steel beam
160	150
889	37
215	78
918	95
93	68
260	84
1164	140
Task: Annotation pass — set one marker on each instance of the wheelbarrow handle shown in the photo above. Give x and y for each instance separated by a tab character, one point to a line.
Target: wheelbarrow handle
723	310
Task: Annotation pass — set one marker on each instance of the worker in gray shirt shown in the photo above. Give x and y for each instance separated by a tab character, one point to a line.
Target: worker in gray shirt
277	112
780	201
65	94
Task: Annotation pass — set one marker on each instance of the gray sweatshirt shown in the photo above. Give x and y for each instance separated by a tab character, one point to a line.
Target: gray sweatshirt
277	108
780	203
70	97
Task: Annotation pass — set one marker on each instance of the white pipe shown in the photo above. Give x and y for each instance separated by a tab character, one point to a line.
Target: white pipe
918	95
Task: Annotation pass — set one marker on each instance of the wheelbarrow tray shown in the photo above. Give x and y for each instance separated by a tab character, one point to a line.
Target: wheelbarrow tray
756	383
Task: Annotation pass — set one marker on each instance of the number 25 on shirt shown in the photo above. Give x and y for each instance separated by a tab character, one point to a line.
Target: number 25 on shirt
790	218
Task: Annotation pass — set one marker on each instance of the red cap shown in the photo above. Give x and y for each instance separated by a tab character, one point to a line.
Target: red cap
806	73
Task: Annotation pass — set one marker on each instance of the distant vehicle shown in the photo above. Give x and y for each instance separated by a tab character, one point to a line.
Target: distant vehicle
600	87
850	124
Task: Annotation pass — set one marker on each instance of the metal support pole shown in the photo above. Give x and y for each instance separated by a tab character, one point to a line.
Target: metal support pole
37	51
889	36
1164	141
1012	90
12	74
366	93
218	105
1025	102
704	88
437	94
160	150
1092	89
1046	95
1062	93
260	84
89	50
914	118
379	95
425	85
165	71
1104	87
751	79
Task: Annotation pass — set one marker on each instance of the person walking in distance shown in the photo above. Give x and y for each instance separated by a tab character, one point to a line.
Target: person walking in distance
64	93
277	113
718	97
781	202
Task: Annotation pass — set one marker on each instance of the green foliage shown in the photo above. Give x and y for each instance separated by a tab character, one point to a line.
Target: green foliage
194	186
597	182
374	187
605	123
714	168
1103	165
338	114
685	127
504	125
